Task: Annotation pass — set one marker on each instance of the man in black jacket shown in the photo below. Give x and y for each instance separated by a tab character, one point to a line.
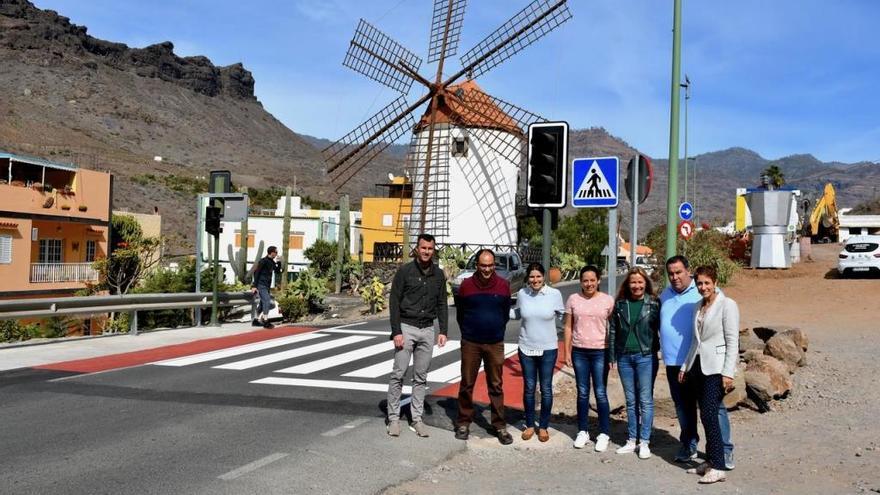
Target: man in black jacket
418	296
263	272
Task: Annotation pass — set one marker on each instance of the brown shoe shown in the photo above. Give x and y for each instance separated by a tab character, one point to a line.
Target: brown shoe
713	476
528	433
543	434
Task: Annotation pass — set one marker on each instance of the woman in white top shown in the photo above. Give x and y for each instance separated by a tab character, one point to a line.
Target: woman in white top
711	364
539	307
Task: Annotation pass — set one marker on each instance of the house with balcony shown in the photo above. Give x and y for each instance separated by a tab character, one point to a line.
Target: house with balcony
384	218
54	222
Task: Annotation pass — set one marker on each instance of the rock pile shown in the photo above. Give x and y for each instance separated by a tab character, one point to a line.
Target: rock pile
769	356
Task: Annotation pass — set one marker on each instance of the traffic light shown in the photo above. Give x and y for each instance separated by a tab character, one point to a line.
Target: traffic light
220	181
548	165
212	220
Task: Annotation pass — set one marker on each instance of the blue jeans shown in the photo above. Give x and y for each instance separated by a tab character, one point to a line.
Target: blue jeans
589	364
686	409
533	368
637	373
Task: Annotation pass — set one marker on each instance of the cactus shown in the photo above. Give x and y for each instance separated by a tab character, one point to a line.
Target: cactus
285	240
239	263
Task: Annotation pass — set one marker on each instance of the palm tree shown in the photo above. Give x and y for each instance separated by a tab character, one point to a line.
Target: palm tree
775	176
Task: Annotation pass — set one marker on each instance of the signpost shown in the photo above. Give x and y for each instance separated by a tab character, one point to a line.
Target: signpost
685	211
686	229
595	184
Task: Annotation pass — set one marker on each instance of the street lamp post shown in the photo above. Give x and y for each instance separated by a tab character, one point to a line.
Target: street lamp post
687	96
672	187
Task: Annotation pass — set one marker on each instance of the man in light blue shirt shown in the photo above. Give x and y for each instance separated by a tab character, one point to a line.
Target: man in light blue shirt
676	333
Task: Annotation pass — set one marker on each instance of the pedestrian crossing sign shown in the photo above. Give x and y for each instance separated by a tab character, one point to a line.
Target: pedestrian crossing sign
594	182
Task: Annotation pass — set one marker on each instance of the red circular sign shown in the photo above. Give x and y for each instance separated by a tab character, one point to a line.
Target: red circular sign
686	229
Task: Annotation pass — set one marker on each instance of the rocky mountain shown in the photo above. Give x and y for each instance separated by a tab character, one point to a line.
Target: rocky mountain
68	96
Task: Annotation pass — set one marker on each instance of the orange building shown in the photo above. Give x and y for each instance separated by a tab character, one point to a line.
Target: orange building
381	221
54	222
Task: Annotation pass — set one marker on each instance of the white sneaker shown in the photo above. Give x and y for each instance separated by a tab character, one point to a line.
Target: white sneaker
644	451
629	448
602	442
582	440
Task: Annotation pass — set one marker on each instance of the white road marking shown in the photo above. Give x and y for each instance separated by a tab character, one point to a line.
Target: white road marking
452	372
336	384
385	367
234	351
292	353
247	468
347	426
357	332
339	359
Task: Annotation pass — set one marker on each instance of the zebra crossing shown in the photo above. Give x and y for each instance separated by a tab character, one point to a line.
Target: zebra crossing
343	358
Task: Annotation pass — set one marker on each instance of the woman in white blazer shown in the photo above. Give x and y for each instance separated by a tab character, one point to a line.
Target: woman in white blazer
711	364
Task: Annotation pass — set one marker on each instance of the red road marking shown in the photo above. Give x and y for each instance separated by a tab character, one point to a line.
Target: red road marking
135	358
512	383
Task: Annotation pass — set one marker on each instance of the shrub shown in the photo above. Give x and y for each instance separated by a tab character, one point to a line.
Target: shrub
14	331
321	255
352	275
309	287
373	295
710	248
292	307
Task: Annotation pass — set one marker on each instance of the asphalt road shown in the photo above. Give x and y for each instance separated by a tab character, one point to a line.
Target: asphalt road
207	427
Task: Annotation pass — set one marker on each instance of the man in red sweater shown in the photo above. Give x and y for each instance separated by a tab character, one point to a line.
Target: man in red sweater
482	311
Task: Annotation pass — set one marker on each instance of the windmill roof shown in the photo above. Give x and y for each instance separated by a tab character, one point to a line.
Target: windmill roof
473	108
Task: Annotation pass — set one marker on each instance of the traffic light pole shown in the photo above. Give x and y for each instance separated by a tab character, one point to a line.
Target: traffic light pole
545	244
216	265
672	192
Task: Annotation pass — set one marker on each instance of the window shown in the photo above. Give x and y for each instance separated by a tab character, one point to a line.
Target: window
296	240
387	220
91	248
5	249
460	147
250	238
50	250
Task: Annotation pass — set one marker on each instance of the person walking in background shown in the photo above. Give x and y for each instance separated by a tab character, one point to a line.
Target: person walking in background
539	307
265	269
482	309
585	349
418	297
710	365
632	346
676	333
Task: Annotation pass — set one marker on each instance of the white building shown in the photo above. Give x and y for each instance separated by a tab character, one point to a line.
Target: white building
307	225
472	188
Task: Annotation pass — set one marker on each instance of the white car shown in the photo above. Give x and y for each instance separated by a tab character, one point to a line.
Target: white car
860	255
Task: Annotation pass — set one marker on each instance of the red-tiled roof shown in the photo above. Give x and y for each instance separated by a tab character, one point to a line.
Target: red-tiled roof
472	108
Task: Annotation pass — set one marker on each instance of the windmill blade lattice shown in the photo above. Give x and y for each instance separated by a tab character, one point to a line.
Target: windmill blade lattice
453	10
354	150
499	115
523	29
436	198
377	56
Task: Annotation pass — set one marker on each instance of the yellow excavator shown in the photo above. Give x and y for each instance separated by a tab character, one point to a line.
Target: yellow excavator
824	222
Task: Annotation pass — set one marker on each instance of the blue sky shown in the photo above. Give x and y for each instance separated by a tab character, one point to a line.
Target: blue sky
779	77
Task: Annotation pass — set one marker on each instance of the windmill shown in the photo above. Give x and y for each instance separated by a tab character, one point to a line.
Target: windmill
466	150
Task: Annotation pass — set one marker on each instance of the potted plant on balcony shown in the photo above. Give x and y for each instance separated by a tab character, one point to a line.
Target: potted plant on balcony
83	208
65	207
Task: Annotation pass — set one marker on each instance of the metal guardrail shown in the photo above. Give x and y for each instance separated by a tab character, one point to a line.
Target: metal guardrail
128	303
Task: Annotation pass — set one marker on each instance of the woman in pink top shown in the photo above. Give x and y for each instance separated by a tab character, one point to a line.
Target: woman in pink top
586	321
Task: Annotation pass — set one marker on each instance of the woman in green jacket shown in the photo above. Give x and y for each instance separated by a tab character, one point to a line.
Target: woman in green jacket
633	343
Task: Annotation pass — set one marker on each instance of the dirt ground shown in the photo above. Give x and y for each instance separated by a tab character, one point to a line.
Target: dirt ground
825	438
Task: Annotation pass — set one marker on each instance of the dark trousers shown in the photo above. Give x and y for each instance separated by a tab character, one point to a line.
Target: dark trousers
710	392
491	356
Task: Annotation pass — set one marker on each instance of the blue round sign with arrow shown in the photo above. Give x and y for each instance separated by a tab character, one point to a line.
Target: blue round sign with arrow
686	211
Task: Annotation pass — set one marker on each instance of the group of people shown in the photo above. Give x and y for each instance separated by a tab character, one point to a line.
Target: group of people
692	323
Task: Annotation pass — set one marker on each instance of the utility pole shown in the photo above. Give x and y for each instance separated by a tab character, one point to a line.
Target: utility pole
687	96
672	192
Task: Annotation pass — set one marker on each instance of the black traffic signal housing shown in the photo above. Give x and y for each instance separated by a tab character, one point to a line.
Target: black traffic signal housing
220	181
548	165
212	220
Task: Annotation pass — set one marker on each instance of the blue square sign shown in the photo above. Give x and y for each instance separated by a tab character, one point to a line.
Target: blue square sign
594	182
